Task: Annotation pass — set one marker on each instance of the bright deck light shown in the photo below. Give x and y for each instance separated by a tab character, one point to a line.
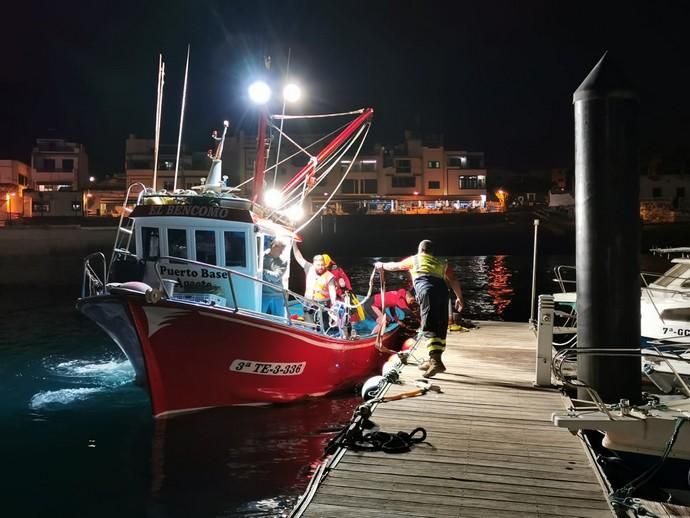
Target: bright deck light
273	198
295	213
259	92
292	92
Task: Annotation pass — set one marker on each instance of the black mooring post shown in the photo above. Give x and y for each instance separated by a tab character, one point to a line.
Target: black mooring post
607	228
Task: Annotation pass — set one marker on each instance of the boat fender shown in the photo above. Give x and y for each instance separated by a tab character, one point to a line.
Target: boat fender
153	296
140	287
408	344
372	387
390	371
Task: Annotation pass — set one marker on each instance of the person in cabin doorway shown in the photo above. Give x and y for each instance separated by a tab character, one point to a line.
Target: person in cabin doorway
392	300
275	266
320	288
431	277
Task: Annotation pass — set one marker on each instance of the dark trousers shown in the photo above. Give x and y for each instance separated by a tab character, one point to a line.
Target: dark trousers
432	296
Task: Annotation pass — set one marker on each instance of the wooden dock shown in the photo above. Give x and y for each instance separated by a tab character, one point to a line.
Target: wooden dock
491	449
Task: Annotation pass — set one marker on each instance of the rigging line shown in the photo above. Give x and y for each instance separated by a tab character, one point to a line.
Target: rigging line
280	132
326	166
335	159
320	116
306	147
159	109
339	183
179	137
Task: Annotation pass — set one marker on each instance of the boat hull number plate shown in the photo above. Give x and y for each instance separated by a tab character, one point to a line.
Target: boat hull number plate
267	368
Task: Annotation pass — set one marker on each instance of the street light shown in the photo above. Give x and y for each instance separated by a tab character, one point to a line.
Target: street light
8	199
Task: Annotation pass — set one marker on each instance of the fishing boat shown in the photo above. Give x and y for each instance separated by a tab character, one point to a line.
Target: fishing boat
181	294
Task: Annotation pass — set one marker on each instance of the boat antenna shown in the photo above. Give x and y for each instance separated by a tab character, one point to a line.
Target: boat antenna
214	181
260	163
179	136
159	110
282	120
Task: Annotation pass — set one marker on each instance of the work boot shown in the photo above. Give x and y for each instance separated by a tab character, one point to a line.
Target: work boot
424	366
435	365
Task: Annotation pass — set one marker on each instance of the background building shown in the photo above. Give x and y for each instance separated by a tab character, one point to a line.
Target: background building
15	178
59	165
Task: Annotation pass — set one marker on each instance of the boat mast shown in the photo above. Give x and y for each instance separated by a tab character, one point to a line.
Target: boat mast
260	162
282	121
179	136
260	165
159	109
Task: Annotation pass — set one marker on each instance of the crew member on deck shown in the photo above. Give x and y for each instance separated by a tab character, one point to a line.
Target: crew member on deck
274	268
392	300
343	285
430	275
320	287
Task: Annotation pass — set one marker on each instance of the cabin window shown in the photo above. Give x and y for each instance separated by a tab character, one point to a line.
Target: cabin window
681	314
205	246
674	273
177	243
150	240
235	249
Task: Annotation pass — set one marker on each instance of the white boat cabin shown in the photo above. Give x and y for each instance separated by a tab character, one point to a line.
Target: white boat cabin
221	251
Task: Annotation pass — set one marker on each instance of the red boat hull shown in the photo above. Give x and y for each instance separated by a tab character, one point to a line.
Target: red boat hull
199	356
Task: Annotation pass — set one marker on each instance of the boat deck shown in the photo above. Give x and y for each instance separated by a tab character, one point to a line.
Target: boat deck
491	449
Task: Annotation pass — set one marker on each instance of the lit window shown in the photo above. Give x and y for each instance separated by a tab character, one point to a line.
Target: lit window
433	164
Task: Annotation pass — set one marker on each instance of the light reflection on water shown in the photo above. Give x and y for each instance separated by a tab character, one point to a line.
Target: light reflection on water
495	287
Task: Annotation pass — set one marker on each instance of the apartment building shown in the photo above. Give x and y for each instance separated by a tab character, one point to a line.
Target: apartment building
139	163
59	165
414	175
15	177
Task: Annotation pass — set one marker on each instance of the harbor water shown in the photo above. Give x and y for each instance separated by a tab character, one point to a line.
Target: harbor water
77	437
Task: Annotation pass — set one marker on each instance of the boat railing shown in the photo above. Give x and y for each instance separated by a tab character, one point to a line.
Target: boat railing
564	277
287	294
125	227
94	275
650	278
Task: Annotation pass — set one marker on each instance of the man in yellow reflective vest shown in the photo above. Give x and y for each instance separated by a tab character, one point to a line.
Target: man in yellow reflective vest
431	277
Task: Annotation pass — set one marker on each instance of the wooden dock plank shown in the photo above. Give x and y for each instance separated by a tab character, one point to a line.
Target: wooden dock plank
491	449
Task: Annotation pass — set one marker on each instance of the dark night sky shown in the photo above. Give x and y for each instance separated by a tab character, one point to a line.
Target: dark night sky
496	76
